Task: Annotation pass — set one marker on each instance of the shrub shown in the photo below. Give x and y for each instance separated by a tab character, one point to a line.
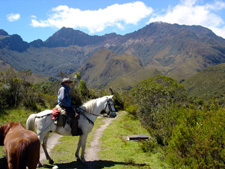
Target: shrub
148	146
132	109
157	98
198	140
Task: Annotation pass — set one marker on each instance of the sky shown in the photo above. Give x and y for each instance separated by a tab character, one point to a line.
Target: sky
40	19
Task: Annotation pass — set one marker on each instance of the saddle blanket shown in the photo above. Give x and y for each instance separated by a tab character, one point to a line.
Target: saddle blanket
56	112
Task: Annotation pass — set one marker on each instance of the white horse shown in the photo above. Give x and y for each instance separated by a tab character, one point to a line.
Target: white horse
44	124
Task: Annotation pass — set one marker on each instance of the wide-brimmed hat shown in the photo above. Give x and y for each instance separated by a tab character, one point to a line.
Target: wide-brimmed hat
66	80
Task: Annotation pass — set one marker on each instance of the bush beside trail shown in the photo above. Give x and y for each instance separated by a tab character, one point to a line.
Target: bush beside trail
191	131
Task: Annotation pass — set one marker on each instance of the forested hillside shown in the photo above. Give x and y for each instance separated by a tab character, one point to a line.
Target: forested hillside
207	83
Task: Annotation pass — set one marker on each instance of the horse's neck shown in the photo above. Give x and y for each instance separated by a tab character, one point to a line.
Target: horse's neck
99	106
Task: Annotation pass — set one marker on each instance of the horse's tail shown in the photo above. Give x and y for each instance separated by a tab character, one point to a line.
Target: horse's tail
22	154
30	122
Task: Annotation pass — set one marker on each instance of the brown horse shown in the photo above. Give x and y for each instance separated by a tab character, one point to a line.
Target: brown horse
22	147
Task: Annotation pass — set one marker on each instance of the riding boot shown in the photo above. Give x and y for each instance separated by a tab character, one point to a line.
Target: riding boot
75	130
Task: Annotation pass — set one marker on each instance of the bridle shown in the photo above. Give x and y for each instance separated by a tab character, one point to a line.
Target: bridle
109	103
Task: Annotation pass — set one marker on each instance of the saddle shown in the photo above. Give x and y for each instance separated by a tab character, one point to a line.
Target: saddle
62	117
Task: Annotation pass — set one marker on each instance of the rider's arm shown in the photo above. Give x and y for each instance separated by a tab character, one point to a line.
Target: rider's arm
63	97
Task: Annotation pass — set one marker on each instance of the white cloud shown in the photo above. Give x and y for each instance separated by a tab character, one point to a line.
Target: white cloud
13	17
188	12
118	15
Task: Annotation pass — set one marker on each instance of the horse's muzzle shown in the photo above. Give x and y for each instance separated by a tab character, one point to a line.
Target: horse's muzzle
112	114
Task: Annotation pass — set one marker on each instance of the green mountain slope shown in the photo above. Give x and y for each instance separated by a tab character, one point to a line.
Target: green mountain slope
209	82
105	68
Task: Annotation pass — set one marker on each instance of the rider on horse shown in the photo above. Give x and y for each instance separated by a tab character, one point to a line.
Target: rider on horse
64	101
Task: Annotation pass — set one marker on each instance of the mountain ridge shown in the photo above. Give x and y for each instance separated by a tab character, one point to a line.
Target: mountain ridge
178	51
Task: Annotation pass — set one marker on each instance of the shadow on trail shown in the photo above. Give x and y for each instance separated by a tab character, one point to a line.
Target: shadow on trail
92	164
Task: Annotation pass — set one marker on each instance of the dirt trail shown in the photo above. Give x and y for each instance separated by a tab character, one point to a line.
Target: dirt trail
52	141
91	153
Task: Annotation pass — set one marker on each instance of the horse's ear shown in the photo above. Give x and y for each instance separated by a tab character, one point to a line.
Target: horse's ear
7	126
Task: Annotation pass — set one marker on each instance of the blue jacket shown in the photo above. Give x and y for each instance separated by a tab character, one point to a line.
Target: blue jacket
64	97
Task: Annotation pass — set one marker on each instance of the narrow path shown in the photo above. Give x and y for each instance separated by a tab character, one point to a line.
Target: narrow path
52	141
91	153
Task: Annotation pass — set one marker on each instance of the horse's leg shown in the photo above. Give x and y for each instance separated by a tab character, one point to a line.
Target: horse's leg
83	144
78	149
39	165
44	145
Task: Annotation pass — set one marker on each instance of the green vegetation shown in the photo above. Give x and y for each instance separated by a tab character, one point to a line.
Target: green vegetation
185	131
190	131
198	139
154	99
208	83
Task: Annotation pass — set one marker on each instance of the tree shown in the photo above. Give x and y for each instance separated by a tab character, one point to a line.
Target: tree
77	76
83	90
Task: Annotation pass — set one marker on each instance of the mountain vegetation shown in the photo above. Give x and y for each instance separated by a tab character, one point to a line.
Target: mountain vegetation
207	83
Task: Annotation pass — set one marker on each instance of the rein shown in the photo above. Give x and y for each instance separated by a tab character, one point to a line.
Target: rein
47	125
82	111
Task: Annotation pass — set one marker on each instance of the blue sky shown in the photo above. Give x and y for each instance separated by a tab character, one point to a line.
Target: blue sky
40	19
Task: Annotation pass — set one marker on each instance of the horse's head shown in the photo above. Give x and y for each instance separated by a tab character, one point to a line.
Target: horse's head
109	106
4	130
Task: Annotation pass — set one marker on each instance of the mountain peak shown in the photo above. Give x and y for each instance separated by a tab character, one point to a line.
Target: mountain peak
3	33
68	36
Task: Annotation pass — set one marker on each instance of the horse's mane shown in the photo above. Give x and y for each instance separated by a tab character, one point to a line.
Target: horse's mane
89	106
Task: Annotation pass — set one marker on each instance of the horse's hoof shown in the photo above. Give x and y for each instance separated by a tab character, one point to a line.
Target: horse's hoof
39	165
51	162
83	160
78	159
